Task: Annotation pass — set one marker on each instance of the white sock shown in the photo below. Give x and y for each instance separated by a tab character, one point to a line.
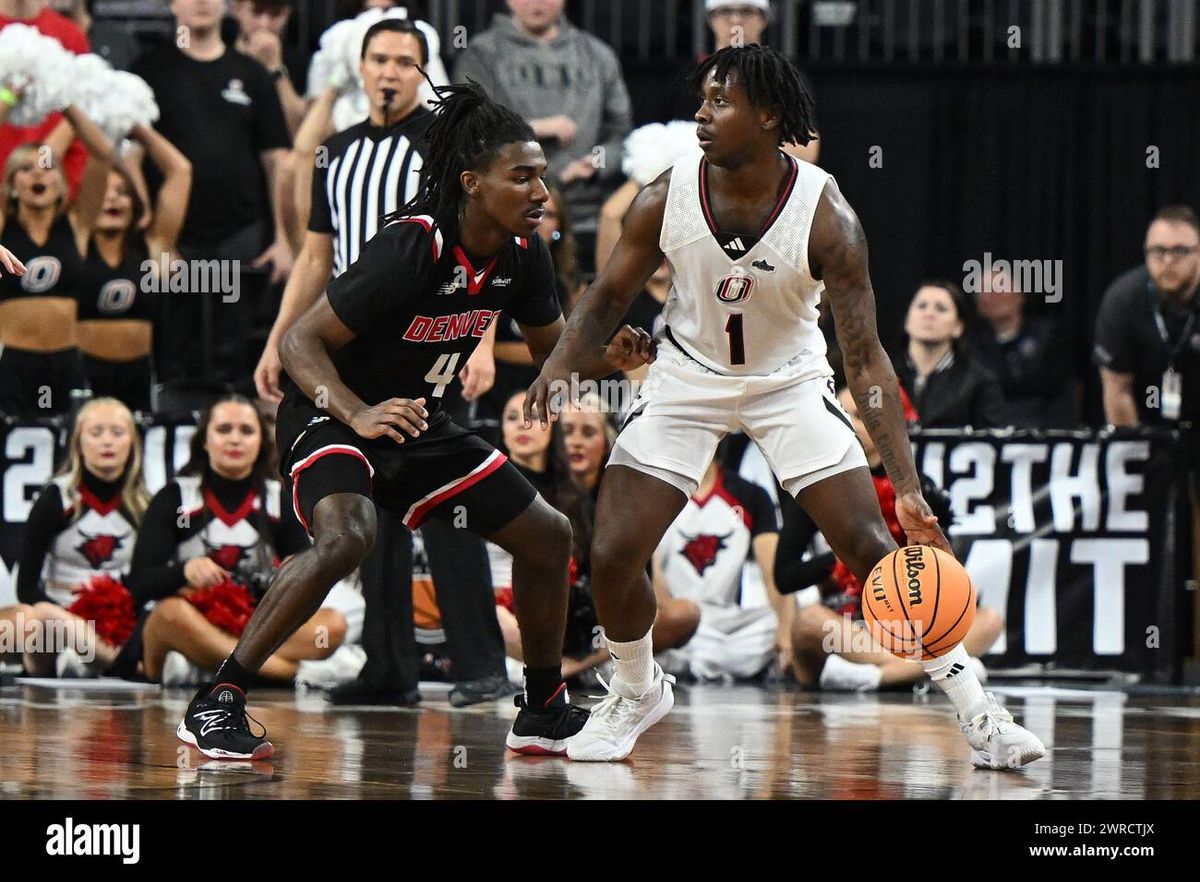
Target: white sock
954	674
842	675
634	662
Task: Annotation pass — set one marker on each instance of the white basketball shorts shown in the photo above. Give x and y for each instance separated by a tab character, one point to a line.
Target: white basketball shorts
683	410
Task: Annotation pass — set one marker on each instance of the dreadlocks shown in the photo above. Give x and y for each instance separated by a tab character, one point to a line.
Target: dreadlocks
770	80
468	132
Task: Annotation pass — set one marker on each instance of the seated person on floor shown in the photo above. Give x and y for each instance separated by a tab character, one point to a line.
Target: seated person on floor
77	547
830	646
714	576
210	543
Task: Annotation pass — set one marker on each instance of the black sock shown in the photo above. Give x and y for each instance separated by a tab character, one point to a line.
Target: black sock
234	674
541	684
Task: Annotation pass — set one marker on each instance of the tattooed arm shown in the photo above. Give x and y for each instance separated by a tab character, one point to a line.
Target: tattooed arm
837	250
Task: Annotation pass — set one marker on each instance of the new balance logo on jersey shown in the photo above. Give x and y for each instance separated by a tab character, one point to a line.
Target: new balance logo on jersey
317	419
763	265
735	245
448	288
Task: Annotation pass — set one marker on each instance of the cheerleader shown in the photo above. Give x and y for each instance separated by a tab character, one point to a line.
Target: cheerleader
78	544
39	356
211	541
115	313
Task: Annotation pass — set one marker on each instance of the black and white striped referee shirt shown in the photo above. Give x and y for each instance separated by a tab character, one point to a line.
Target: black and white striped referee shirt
363	173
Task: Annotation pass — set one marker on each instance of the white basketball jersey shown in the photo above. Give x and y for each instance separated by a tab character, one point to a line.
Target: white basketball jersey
739	311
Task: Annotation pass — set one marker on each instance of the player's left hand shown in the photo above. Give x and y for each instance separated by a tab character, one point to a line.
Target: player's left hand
919	523
9	261
631	348
279	255
478	374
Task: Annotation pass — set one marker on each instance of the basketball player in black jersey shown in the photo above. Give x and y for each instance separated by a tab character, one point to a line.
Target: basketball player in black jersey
752	100
360	422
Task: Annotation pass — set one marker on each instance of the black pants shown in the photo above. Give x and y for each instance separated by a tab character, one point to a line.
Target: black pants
461	574
127	381
38	384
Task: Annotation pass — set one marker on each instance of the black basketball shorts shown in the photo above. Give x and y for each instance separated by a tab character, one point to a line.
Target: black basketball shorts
447	472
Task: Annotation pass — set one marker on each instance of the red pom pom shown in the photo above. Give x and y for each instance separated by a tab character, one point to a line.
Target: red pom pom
109	605
226	605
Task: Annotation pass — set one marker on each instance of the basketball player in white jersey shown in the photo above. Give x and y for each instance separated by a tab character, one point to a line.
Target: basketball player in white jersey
753	237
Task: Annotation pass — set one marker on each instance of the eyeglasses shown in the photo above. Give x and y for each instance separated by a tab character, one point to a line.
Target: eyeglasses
1178	252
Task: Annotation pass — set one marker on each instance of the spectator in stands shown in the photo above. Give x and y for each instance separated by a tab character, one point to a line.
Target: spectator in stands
587	435
262	25
855	664
221	109
568	85
1148	332
40	361
732	23
1026	355
715	565
210	543
544	463
82	526
38	14
116	312
946	386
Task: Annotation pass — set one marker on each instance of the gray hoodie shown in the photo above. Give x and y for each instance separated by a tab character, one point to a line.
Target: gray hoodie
574	74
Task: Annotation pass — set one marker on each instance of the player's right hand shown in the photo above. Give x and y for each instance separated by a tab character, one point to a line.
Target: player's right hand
540	403
266	374
386	417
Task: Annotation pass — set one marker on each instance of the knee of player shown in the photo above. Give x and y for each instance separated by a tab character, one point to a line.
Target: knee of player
332	628
684	615
868	549
345	546
808	627
552	530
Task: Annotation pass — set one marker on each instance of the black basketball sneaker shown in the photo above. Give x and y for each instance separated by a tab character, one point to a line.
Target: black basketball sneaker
545	731
217	725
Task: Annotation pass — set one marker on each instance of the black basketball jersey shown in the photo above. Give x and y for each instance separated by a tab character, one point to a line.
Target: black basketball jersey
113	292
420	304
51	270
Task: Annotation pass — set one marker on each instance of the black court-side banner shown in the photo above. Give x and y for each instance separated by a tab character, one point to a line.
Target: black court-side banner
30	454
1071	537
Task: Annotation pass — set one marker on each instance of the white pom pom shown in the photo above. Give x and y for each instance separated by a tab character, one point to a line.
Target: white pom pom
41	65
652	149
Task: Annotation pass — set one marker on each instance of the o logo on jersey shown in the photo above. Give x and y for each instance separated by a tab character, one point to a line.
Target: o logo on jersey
41	274
735	287
116	296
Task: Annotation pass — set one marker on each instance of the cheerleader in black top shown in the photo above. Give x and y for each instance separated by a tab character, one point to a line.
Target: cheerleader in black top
221	521
115	314
40	361
82	526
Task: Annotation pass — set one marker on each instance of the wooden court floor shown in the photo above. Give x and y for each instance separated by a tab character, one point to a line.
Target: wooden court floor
720	742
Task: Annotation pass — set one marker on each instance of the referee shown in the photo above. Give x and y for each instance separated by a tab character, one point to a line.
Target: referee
360	174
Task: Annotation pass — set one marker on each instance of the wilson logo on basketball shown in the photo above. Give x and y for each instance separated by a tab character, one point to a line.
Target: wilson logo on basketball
735	287
914	563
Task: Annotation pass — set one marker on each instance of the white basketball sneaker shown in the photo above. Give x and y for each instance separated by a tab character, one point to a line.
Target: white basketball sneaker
178	671
996	741
618	720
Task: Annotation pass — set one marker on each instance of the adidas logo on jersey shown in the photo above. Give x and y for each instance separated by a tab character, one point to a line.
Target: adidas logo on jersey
735	245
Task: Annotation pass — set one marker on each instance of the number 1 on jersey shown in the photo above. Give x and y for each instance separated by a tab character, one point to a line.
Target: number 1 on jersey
442	373
737	343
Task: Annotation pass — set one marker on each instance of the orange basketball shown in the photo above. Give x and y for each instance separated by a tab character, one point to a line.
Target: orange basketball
918	602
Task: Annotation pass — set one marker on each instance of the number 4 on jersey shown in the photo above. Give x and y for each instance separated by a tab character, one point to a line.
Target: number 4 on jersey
442	373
